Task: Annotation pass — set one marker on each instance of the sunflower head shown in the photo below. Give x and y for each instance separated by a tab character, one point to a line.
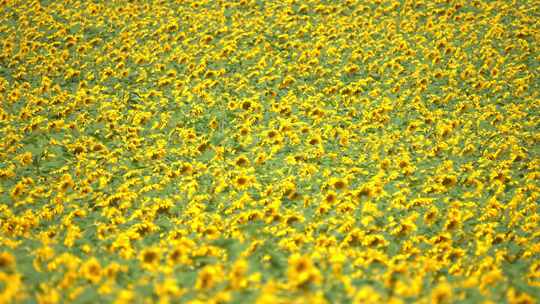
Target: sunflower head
91	270
302	272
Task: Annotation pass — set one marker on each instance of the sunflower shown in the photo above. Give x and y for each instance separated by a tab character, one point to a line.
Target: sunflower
66	183
442	293
301	271
448	180
315	140
11	288
367	294
431	215
241	161
125	296
232	105
167	289
237	276
272	137
7	261
330	198
25	158
18	190
150	258
338	183
91	270
243	181
179	255
516	297
208	277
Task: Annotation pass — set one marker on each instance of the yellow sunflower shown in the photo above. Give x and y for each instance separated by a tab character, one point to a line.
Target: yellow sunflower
302	272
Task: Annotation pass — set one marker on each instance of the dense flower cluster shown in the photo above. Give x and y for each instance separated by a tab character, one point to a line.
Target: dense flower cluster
310	151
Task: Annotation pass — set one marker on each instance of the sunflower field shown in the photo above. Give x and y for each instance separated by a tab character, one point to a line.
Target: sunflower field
270	151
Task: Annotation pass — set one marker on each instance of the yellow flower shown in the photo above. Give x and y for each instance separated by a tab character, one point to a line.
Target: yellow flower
243	181
150	258
25	158
18	190
180	253
448	181
430	216
66	183
12	288
7	261
208	277
367	294
516	297
315	140
441	293
168	288
91	270
490	278
301	271
338	183
125	297
238	273
269	294
49	296
330	198
241	161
